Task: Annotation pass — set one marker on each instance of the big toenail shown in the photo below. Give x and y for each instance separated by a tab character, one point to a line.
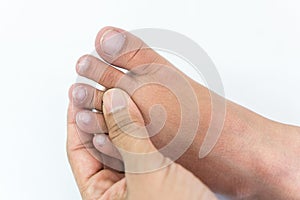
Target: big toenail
112	42
84	117
83	65
79	94
100	140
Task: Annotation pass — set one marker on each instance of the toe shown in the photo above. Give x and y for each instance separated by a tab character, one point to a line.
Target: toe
125	50
103	144
85	96
92	68
91	122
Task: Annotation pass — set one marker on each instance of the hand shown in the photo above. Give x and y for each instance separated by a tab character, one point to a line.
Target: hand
148	174
156	178
94	182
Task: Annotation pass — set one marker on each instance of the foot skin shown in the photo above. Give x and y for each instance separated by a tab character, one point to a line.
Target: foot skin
253	157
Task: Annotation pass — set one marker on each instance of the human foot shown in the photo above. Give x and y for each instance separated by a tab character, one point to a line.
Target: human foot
233	167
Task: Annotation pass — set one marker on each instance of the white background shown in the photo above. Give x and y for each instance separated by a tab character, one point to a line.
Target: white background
254	44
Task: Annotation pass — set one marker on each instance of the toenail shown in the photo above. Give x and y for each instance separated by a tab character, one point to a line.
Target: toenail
100	140
83	65
112	42
84	117
79	94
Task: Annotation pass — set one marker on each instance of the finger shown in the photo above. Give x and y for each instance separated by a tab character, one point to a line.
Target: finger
85	161
103	144
117	191
100	183
85	96
83	164
90	122
124	49
112	163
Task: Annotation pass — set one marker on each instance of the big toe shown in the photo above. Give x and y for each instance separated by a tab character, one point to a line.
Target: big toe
125	50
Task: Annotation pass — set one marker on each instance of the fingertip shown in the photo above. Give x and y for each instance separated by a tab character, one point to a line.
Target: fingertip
103	144
99	140
90	122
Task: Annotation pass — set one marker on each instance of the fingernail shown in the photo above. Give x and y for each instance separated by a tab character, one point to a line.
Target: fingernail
114	101
84	117
112	42
100	140
83	65
79	94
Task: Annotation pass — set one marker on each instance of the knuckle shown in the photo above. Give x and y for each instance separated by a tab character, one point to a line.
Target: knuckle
122	124
93	190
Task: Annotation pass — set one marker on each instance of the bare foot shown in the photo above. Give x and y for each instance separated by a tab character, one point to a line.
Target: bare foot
254	158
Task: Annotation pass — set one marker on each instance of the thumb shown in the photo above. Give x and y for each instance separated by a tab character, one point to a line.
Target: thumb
164	179
128	133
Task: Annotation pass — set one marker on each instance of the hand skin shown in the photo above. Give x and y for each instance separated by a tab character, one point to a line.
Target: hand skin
169	183
92	179
254	158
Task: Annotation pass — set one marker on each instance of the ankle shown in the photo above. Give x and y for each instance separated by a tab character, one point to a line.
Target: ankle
276	165
253	150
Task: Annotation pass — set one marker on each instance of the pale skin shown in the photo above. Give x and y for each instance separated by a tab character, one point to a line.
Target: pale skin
254	158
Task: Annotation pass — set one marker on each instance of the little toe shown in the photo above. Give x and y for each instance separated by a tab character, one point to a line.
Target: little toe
91	122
